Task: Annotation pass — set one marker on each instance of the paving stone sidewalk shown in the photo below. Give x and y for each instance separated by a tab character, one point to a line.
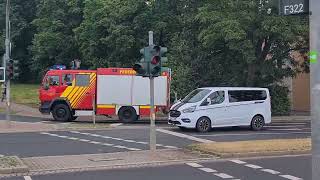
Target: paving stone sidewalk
110	160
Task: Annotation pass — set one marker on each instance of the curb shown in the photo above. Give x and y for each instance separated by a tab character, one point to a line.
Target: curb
21	168
258	154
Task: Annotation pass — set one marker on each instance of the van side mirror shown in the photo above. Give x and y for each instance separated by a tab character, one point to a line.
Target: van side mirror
209	100
46	86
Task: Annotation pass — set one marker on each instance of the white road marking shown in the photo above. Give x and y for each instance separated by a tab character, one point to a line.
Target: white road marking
238	161
134	149
184	136
94	142
91	142
290	177
95	135
1	155
27	178
271	171
208	170
107	144
171	147
289	123
76	132
84	140
223	175
195	165
118	139
140	142
116	124
121	147
131	141
253	166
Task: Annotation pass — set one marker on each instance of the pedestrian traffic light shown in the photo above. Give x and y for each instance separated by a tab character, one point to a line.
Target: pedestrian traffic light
12	69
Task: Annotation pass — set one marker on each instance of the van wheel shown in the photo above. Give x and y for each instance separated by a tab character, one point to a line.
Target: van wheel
61	112
257	123
203	124
127	114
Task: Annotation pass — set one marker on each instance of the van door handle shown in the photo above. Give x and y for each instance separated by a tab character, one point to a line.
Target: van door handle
258	102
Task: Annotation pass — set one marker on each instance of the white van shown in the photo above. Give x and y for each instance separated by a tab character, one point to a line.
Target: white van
205	108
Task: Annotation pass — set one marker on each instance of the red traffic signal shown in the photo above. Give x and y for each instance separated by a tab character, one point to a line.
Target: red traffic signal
155	60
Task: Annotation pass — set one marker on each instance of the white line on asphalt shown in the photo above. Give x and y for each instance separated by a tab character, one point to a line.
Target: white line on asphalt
73	138
107	144
84	140
195	165
238	161
116	124
121	147
27	178
271	171
171	147
95	142
253	166
223	175
184	136
134	149
140	142
127	140
208	170
290	177
118	139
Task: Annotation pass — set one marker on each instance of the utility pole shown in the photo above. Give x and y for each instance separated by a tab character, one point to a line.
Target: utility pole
315	85
5	61
153	143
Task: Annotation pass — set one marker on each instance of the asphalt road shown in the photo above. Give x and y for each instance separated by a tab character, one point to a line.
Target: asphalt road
84	142
133	138
283	168
276	130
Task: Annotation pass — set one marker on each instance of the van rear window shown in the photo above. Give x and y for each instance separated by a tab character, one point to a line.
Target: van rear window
247	95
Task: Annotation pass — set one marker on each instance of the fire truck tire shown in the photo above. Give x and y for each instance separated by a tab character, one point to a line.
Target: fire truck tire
127	114
61	112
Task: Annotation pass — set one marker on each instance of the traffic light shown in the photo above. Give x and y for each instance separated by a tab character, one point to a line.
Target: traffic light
12	69
157	60
151	63
142	67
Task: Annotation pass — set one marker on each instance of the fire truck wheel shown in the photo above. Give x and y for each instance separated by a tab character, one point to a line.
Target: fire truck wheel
61	112
127	114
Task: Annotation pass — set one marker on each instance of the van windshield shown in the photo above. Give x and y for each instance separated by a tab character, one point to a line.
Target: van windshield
196	96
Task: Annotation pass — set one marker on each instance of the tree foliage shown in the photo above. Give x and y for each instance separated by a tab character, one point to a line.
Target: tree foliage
211	43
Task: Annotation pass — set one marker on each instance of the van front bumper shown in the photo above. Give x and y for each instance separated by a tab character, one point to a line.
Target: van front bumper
182	122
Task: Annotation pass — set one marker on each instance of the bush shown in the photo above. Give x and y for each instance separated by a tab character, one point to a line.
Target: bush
280	102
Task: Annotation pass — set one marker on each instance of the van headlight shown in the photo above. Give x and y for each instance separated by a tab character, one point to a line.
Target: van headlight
189	109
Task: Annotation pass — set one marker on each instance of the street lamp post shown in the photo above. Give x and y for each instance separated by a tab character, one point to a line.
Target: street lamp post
5	61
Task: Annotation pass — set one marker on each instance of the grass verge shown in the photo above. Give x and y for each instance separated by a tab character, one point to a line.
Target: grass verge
26	94
12	164
256	147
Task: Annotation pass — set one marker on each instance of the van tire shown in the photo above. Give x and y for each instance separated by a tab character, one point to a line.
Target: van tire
127	114
257	123
203	125
61	112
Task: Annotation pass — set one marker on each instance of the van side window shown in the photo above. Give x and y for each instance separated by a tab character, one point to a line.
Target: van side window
216	98
82	80
246	95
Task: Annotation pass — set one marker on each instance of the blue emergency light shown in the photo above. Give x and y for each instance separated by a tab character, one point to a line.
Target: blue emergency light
58	67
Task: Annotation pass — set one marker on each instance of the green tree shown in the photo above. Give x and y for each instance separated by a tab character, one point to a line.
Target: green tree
54	42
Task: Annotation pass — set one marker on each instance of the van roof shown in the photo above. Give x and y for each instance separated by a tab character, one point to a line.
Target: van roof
234	88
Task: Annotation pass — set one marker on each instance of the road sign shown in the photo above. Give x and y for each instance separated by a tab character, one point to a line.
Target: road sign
292	7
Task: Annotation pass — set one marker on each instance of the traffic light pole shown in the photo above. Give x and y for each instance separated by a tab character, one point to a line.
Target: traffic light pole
153	143
5	61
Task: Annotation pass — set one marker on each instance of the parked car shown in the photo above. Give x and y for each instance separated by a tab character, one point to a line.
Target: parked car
205	108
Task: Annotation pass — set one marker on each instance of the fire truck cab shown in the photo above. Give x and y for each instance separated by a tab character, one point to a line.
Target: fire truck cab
67	94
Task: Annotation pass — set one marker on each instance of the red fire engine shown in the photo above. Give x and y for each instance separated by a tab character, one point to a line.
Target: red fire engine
67	94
